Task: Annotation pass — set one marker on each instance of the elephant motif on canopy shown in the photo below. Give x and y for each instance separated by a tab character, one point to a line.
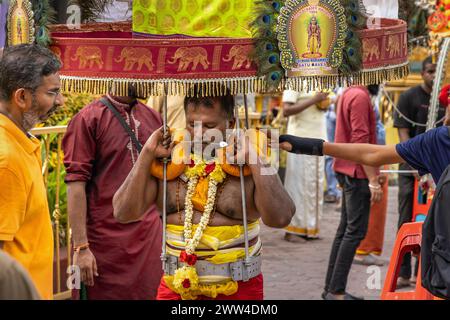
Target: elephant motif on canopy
136	56
187	56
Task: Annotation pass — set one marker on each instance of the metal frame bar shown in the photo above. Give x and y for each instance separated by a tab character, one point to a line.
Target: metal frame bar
164	213
243	194
439	78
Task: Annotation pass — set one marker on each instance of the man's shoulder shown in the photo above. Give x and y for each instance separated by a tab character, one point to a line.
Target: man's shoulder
412	92
9	155
146	108
356	92
89	112
149	112
442	132
91	108
356	97
17	283
6	262
432	137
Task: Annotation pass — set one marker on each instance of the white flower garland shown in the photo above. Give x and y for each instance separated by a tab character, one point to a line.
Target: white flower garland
192	243
189	208
214	178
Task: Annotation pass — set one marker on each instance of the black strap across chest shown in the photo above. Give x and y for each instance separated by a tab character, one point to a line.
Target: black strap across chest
124	124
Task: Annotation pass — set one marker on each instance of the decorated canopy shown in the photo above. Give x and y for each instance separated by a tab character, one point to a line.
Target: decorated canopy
246	45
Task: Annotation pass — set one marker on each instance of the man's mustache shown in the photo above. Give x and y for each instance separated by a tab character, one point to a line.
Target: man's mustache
49	113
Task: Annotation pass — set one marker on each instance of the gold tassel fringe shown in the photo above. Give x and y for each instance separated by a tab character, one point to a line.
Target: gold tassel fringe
216	87
365	77
148	88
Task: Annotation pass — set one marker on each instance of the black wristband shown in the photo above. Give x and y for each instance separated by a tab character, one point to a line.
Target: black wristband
308	146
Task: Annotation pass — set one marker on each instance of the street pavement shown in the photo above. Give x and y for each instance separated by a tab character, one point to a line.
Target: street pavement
295	271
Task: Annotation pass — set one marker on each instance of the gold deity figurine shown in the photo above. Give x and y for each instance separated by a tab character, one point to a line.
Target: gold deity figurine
314	39
20	22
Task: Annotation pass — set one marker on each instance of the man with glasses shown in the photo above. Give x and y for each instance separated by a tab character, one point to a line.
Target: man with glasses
29	94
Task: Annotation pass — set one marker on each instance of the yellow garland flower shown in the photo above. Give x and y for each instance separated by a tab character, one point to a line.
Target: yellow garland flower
185	280
218	174
196	171
209	290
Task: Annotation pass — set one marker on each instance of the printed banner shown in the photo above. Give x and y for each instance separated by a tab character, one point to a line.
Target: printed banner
117	57
312	37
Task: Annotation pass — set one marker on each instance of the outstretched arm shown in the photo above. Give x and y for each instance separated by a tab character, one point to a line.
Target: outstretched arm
367	154
140	189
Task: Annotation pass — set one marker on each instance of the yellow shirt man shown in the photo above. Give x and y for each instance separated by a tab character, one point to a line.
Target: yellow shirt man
25	226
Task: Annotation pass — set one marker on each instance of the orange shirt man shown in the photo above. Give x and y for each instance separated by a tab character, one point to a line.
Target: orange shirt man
29	94
25	225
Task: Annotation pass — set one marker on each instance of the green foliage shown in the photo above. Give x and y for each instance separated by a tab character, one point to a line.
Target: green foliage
73	103
51	195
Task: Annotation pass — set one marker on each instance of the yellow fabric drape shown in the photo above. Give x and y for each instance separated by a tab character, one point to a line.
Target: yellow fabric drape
200	18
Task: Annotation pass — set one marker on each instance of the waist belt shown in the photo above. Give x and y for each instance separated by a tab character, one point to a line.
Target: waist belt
238	271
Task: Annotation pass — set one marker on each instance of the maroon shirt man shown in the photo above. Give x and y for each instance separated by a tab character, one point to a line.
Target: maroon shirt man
123	260
355	123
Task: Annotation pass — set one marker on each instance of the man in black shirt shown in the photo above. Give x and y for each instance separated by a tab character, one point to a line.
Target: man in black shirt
411	119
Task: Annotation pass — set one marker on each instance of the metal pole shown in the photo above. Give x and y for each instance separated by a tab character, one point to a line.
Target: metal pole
164	214
241	175
246	112
399	171
438	79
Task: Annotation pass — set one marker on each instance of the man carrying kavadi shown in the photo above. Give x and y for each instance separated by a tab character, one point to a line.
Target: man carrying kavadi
205	233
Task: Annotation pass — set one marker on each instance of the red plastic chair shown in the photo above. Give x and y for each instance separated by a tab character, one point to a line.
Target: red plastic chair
408	240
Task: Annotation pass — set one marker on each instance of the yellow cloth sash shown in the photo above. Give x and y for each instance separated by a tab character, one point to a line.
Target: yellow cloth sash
217	246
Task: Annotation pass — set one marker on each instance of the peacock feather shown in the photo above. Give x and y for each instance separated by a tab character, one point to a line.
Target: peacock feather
415	16
44	15
356	20
266	53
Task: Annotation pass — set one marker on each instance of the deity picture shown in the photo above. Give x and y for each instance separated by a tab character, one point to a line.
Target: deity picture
19	30
311	43
314	37
20	22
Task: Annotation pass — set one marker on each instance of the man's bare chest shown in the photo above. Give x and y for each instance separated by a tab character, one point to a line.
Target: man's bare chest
228	198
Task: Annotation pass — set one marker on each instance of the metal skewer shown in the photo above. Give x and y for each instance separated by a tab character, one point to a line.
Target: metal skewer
247	261
164	214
